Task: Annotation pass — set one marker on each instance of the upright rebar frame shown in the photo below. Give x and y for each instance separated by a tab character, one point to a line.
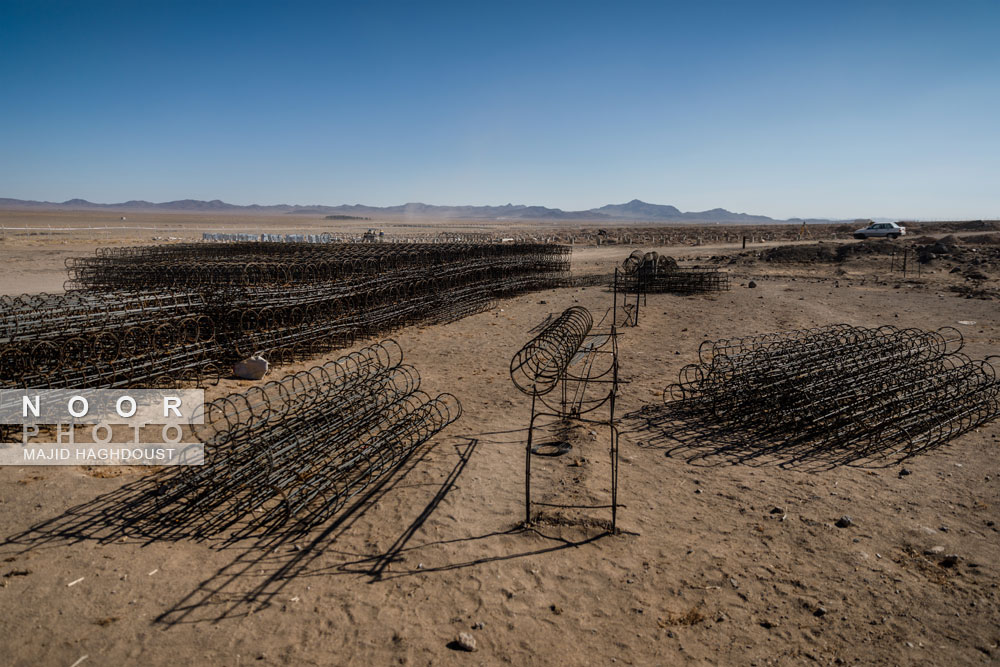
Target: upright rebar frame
548	363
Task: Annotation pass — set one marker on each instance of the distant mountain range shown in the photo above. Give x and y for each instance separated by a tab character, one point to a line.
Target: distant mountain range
634	210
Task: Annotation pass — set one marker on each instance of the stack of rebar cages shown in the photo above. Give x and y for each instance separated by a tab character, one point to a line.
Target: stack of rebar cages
651	272
166	315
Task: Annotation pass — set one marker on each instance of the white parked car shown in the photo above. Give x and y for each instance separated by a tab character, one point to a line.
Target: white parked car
883	229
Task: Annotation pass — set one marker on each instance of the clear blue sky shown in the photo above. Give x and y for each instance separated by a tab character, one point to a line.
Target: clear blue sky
838	109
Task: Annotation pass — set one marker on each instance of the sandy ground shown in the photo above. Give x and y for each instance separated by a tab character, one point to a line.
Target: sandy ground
702	571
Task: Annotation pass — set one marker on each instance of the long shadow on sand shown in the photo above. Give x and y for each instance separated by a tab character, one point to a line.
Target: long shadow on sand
703	441
274	565
263	567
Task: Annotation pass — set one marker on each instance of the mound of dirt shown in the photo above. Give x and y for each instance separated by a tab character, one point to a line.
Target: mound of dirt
823	252
972	226
852	250
983	239
783	254
973	263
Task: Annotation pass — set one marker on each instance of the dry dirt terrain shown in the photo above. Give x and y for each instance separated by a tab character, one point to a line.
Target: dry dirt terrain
721	557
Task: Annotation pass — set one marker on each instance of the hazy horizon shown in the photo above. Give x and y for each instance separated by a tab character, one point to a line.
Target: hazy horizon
450	205
873	110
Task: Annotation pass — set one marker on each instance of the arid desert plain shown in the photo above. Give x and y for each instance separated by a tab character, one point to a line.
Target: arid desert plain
725	552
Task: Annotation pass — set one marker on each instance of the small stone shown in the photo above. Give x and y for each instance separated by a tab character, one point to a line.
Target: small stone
697	490
820	612
466	642
903	472
556	609
478	626
844	522
777	510
751	284
943	529
251	368
949	561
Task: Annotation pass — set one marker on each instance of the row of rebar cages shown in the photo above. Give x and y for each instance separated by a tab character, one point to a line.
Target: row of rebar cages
162	315
870	390
287	455
685	281
241	264
651	272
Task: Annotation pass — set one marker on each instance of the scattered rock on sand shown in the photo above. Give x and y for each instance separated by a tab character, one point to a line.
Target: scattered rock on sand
251	368
751	284
950	560
466	642
844	522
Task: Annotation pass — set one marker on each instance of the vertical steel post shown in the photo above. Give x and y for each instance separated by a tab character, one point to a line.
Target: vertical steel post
527	461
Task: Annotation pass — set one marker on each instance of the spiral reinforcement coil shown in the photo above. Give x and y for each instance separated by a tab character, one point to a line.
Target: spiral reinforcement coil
161	316
881	389
291	453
